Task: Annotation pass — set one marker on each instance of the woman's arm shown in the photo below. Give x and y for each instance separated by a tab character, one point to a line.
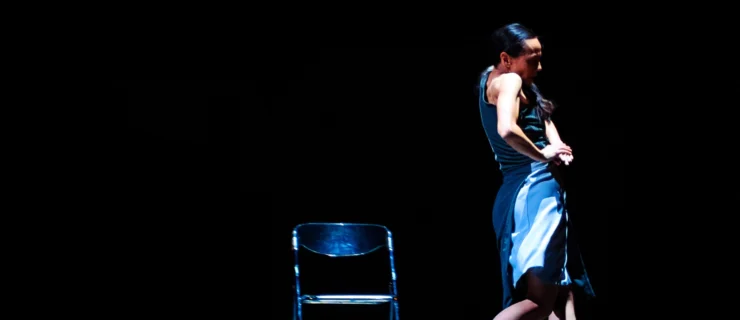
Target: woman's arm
552	135
551	132
507	109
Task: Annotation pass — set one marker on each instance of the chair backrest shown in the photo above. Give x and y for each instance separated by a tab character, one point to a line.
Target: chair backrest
341	239
345	240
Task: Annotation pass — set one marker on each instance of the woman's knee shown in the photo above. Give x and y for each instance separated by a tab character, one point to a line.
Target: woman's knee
560	308
544	295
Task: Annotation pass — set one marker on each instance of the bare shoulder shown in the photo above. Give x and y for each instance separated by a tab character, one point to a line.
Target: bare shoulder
509	82
504	83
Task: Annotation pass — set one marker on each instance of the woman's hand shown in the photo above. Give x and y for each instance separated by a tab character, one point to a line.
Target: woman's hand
558	152
563	158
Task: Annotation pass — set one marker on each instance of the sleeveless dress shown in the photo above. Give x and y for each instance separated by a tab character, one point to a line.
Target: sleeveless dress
529	214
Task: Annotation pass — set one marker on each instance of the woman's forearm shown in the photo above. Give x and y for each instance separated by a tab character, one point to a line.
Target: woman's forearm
516	138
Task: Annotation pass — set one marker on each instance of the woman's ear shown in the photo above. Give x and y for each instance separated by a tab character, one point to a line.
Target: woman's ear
505	59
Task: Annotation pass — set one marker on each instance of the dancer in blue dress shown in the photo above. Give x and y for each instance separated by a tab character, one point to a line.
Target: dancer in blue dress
538	264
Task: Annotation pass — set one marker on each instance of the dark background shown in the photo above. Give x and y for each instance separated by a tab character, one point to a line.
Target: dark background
373	126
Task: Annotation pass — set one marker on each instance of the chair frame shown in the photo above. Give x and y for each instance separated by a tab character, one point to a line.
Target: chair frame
365	299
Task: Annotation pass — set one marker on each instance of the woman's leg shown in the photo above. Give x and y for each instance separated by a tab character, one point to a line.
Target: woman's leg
538	304
564	308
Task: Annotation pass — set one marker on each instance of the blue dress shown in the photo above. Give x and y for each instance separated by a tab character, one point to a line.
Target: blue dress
529	215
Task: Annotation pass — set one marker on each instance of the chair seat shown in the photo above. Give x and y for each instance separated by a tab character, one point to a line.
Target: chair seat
346	298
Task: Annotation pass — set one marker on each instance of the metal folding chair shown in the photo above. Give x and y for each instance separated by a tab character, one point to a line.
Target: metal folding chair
343	240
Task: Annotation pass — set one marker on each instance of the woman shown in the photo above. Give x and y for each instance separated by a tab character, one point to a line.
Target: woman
529	214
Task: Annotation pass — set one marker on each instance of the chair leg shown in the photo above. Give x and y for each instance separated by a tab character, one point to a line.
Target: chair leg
297	312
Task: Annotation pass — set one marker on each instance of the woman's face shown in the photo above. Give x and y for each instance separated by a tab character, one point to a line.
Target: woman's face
528	63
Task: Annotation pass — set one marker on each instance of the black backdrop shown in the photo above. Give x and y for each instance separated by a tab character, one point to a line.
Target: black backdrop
379	127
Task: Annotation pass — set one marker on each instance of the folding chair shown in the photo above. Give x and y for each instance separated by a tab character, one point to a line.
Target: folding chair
343	240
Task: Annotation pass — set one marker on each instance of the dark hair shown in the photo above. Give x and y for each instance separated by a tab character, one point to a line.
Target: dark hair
510	39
